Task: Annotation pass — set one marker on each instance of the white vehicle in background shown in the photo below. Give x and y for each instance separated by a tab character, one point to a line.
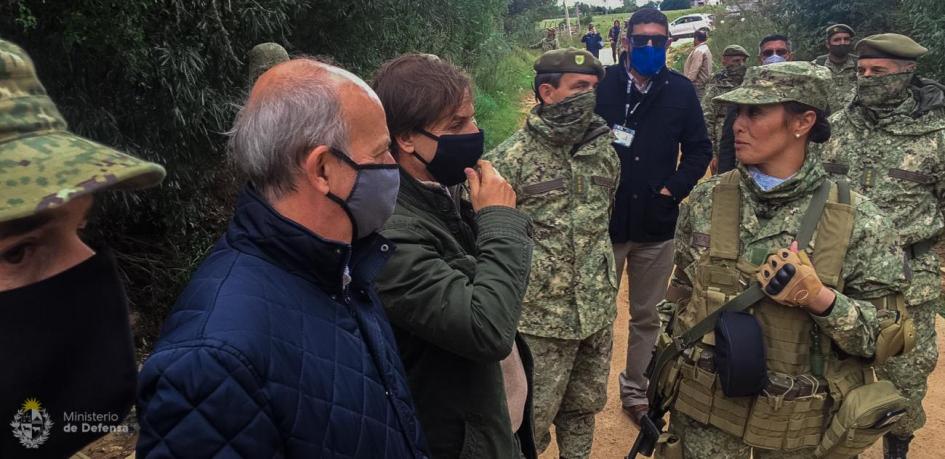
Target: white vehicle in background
686	26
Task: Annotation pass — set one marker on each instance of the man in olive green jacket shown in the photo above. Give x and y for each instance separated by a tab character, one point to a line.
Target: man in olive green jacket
453	288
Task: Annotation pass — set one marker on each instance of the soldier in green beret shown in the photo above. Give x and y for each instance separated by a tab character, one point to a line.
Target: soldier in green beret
798	263
734	61
263	57
842	65
565	172
890	144
65	338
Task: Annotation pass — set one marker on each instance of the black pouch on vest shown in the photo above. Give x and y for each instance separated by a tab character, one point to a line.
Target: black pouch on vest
740	354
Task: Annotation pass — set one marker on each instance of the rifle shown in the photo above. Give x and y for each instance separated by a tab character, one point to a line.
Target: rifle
651	425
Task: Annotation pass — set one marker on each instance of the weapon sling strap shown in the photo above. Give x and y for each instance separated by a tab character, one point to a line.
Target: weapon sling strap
751	295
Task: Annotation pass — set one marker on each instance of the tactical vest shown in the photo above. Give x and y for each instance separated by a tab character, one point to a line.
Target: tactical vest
806	380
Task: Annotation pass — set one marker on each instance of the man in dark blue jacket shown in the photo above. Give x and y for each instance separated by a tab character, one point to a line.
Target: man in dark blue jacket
654	112
279	346
593	41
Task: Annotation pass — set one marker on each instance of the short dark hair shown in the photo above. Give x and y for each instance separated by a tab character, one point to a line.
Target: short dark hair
647	16
776	37
418	90
820	132
700	35
554	79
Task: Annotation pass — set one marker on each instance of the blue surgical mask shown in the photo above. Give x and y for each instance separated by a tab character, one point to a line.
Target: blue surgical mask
764	181
648	60
372	197
774	59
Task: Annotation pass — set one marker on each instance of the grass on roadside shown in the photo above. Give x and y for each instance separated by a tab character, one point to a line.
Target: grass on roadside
502	80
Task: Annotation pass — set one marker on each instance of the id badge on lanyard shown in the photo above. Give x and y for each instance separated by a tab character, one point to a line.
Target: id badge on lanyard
624	134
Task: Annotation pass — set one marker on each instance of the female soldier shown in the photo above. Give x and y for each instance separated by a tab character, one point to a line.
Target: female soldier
811	263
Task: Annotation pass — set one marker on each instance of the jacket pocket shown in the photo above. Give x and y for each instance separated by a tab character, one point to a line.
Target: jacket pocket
659	216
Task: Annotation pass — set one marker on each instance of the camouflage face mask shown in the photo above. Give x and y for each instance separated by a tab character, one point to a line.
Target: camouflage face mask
572	111
736	71
884	91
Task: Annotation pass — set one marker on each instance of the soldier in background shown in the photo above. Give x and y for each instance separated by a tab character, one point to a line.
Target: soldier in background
890	143
263	57
734	61
842	65
564	172
549	43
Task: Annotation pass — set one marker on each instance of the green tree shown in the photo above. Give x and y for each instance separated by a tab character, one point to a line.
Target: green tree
805	20
926	20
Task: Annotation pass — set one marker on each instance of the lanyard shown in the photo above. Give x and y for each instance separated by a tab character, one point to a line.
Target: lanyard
628	112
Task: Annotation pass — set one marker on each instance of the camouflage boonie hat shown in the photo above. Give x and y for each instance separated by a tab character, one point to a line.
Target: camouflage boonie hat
569	60
801	82
265	56
735	50
42	164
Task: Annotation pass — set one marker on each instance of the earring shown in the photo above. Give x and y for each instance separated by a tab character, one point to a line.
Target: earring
797	136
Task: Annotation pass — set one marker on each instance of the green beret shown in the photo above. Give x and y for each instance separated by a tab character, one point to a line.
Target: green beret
801	82
839	28
889	46
569	60
734	50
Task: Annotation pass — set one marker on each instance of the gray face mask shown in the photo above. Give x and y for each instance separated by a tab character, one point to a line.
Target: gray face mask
373	196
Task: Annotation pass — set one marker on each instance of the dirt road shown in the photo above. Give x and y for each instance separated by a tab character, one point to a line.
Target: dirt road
615	433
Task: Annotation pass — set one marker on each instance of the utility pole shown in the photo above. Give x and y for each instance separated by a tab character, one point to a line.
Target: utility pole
567	17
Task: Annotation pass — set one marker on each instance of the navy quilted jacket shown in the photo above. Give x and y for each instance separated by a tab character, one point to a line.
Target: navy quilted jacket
266	354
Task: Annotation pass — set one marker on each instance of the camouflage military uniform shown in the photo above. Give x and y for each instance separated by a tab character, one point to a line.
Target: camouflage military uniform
897	158
714	113
565	177
546	44
871	270
844	81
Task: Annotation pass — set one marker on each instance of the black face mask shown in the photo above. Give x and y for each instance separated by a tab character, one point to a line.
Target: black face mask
67	358
454	153
840	51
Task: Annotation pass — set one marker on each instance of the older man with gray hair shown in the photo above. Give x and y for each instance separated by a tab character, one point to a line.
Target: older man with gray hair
279	346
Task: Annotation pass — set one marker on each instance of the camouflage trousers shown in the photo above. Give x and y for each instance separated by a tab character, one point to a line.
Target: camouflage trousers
910	372
569	389
698	441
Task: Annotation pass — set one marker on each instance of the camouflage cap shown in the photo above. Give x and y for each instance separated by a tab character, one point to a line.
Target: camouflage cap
839	28
890	46
42	164
734	50
264	56
801	82
569	60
